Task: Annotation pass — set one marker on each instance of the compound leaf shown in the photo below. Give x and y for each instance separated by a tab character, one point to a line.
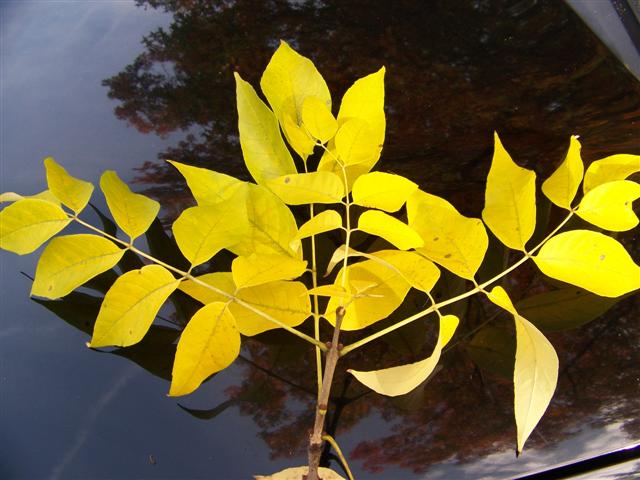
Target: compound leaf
399	380
609	169
265	154
72	192
323	222
26	224
209	343
257	269
208	187
536	370
203	231
510	200
304	188
68	262
456	242
610	205
318	120
131	305
385	191
562	185
391	229
133	212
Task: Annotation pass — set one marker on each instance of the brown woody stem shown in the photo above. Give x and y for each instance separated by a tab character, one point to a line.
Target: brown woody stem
316	440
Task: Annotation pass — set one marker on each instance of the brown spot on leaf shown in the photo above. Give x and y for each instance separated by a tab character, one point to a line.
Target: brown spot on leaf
287	179
448	255
602	257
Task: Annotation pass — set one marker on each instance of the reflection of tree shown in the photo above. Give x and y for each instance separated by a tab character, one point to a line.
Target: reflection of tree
456	71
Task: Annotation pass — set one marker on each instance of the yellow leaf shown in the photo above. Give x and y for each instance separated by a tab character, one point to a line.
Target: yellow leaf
365	100
72	192
609	169
285	301
385	291
562	185
610	205
338	256
133	212
10	197
257	269
301	142
385	191
303	188
323	222
456	242
201	232
28	223
291	77
131	305
68	262
271	227
421	273
296	473
510	200
44	195
391	229
209	343
536	370
399	380
220	280
264	151
329	291
355	143
589	260
318	120
208	187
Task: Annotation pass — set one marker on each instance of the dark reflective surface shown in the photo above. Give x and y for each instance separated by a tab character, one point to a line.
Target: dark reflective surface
455	72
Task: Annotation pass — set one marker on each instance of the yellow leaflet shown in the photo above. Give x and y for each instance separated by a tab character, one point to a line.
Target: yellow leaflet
44	195
271	227
131	305
201	232
263	149
296	473
355	143
304	188
285	301
421	273
609	169
562	185
301	142
209	343
69	261
318	120
220	280
536	370
456	242
329	291
323	222
384	288
610	205
510	200
338	257
289	79
72	192
257	269
208	187
589	260
394	231
26	224
133	212
399	380
382	190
